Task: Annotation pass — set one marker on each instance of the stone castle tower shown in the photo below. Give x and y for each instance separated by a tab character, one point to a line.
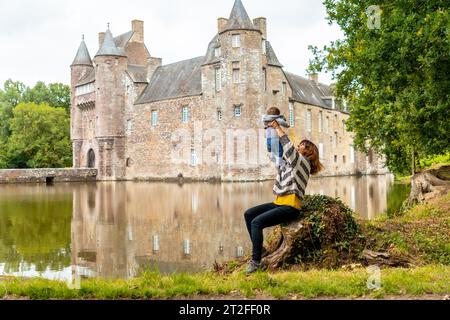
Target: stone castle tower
98	91
135	118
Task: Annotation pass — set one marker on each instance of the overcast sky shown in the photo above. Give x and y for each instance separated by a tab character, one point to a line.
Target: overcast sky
39	38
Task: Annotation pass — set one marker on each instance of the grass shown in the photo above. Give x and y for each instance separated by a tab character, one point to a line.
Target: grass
422	232
432	279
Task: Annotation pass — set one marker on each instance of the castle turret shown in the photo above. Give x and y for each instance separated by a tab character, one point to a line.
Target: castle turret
232	76
80	68
111	64
233	66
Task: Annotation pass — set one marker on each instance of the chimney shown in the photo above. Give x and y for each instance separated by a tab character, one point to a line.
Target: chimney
101	37
221	24
261	24
152	64
314	77
138	28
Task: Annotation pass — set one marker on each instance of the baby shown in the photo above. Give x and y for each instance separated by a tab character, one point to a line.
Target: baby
273	141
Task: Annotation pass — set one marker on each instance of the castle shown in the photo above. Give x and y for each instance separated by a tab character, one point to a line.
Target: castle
133	118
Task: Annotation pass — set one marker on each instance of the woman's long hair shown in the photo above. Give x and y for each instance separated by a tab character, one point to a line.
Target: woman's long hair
312	153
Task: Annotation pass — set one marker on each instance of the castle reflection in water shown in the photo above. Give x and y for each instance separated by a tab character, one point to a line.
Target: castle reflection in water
119	228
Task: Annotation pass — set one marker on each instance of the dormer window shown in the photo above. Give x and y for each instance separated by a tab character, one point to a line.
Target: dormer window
217	52
236	40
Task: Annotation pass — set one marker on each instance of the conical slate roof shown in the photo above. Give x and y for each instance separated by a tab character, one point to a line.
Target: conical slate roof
239	18
109	47
83	57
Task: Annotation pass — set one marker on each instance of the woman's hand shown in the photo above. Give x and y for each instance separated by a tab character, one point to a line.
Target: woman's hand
274	124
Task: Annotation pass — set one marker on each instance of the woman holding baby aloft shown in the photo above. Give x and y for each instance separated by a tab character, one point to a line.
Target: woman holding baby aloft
291	182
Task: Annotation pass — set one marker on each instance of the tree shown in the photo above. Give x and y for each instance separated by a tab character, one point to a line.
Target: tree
12	92
55	95
39	137
392	67
6	113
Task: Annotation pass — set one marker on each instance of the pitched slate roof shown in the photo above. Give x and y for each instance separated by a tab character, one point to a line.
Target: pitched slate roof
83	57
239	18
272	59
138	73
210	57
307	91
122	40
88	78
109	47
177	80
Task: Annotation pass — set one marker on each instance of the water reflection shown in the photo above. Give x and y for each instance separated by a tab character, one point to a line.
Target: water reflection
112	230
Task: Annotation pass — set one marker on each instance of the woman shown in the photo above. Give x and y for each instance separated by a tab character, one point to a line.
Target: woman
292	179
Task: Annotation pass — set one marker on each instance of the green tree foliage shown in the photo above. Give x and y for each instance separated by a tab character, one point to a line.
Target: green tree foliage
395	75
55	95
39	137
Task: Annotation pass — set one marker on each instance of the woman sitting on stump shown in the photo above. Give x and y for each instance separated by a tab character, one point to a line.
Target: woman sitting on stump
292	179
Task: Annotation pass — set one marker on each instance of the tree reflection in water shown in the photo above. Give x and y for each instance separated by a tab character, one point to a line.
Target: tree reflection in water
115	229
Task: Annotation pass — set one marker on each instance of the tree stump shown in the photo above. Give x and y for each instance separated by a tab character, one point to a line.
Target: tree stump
429	184
325	234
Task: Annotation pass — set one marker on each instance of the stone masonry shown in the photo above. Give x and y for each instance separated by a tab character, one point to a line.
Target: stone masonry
133	118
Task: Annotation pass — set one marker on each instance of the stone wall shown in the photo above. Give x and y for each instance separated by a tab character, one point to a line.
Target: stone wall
47	175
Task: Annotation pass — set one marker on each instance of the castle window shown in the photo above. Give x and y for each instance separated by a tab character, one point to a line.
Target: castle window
321	152
320	121
236	40
129	126
236	72
128	162
219	115
185	114
352	154
154	117
309	121
84	89
327	124
335	159
237	111
291	114
193	157
264	79
218	76
283	88
343	159
217	52
263	46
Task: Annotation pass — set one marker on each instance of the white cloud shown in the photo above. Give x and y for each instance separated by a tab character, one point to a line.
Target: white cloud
39	38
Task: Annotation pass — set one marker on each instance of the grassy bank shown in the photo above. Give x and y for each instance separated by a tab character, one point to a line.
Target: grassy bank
432	279
422	233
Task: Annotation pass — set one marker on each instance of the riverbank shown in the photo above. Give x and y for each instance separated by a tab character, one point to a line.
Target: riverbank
395	282
422	233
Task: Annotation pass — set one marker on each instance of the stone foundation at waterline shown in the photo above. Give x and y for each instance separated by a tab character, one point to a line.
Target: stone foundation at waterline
47	175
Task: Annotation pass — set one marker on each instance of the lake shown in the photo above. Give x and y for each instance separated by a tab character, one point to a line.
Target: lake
116	229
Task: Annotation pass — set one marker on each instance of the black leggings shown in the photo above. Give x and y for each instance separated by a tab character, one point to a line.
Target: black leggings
264	216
